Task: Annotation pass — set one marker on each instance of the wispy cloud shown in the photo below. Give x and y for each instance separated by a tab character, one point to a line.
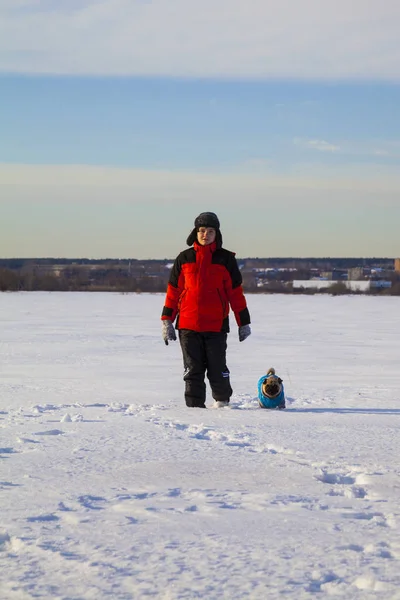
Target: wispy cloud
212	38
322	146
366	148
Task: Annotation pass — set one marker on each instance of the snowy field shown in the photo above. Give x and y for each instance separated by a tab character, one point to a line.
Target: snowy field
110	488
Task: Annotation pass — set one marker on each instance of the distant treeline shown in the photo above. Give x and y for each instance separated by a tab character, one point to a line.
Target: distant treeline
134	275
74	280
326	263
20	263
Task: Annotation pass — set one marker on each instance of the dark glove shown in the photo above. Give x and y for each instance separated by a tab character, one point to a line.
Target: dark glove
168	332
244	332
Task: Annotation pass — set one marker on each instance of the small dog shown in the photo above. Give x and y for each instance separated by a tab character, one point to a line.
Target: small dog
271	393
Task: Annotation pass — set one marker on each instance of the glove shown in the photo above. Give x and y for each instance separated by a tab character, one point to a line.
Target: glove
168	332
244	332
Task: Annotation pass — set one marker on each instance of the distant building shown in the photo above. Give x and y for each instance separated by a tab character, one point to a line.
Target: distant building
327	275
354	286
355	274
397	265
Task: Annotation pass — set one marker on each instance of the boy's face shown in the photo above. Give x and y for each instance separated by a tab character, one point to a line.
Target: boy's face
206	235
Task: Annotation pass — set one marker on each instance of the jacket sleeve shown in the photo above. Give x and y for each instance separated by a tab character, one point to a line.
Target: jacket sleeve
174	291
234	291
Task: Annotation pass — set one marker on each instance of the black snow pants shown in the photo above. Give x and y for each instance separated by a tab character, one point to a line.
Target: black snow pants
204	352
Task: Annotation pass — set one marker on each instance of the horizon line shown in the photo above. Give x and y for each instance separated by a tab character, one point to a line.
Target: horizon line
166	258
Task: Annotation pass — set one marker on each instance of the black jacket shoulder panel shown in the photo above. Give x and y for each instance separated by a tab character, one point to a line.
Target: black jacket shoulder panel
228	259
187	256
221	256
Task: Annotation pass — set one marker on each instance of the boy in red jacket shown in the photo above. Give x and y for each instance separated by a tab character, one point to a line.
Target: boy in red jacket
205	282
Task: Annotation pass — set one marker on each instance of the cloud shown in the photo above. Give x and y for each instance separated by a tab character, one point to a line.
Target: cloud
322	146
366	148
311	39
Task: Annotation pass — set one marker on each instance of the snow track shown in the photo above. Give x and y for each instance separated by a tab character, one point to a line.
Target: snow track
111	488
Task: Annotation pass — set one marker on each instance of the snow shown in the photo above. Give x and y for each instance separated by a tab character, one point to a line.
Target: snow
111	488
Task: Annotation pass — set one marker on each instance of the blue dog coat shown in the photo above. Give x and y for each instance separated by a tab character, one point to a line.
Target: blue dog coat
266	402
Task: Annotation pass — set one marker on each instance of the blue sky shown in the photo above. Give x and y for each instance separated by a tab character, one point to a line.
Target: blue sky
196	124
105	156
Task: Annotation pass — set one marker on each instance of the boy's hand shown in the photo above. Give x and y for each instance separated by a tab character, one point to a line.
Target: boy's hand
244	332
168	332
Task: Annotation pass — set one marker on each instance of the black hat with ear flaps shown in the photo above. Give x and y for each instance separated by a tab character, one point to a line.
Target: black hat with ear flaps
205	219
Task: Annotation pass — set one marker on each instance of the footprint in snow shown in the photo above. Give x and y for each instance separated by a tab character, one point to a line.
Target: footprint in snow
91	502
348	484
22	440
6	485
43	518
7	451
41	408
50	432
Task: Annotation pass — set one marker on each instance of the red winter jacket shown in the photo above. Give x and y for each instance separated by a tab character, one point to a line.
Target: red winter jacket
204	282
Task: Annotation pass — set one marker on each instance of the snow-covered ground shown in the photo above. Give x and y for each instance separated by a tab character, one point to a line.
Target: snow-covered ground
111	488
